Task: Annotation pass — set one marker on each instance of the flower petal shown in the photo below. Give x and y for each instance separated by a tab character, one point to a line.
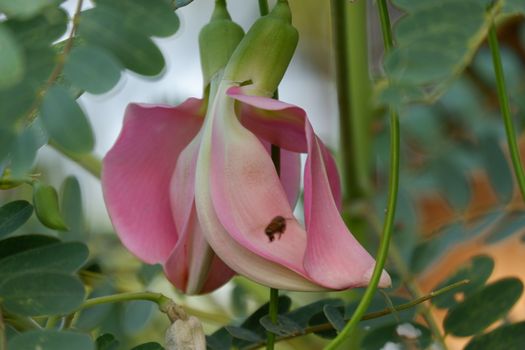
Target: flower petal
192	266
137	171
333	257
290	172
284	125
237	195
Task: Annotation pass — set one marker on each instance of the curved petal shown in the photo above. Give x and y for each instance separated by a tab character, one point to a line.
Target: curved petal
284	125
333	256
290	172
136	175
192	266
238	195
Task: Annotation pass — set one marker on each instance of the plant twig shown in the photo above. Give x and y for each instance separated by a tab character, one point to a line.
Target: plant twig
58	67
505	110
391	203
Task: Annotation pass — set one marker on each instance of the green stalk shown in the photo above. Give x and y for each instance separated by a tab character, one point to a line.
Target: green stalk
505	110
87	161
391	205
276	158
353	91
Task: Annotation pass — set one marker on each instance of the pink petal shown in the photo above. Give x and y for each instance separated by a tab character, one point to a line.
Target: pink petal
333	257
192	266
238	236
283	124
137	171
290	172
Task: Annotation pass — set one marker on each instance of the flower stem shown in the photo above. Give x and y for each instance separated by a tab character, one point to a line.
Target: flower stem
505	110
157	298
391	205
276	158
87	161
353	91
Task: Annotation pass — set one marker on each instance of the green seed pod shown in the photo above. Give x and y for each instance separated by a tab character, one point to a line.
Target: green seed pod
45	201
217	41
265	52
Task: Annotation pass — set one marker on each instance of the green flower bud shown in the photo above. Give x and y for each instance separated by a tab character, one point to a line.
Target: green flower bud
265	52
45	201
217	41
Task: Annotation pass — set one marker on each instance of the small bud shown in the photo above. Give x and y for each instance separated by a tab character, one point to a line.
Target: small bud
217	41
265	52
186	334
45	201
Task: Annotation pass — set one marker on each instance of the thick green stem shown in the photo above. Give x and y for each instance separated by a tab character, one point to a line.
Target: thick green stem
391	205
263	7
505	111
87	161
353	91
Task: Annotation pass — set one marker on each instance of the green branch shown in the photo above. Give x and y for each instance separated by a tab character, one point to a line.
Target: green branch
391	205
505	110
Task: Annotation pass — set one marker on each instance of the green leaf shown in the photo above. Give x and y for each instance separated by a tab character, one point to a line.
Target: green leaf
429	251
13	215
380	302
514	6
103	26
153	18
497	168
148	346
508	337
11	60
51	340
6	140
252	323
511	224
282	327
72	212
107	342
40	31
483	308
19	100
452	182
41	293
65	121
93	317
92	69
477	270
60	257
14	245
436	40
405	336
334	316
25	8
136	316
320	318
244	334
219	340
24	149
303	314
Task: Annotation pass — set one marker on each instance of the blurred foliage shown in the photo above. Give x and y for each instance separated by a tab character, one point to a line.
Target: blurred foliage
50	262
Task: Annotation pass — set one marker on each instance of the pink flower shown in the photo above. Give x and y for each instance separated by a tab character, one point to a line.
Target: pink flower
136	178
238	194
